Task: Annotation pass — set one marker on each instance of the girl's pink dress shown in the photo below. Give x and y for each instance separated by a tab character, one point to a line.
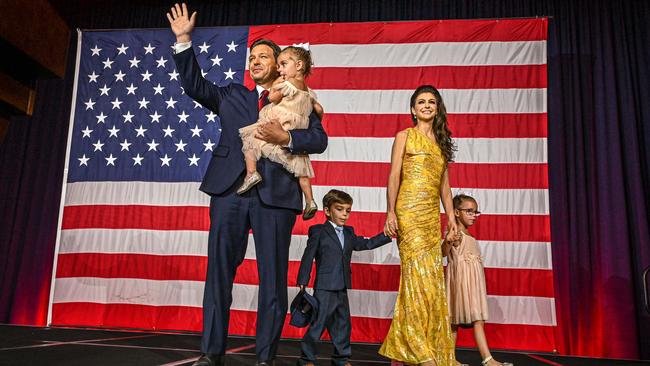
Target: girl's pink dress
466	292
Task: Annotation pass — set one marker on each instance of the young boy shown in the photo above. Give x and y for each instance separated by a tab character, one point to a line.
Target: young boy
331	244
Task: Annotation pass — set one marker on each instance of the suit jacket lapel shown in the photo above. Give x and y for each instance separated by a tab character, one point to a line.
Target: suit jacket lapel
330	230
347	238
251	103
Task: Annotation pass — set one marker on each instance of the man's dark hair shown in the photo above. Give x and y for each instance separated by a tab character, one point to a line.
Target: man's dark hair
267	42
336	196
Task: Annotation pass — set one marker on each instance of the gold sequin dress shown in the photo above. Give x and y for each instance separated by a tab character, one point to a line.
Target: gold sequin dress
420	330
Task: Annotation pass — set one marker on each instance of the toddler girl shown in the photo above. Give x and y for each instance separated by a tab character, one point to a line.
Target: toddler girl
291	103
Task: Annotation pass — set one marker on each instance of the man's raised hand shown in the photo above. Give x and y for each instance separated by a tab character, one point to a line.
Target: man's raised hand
181	23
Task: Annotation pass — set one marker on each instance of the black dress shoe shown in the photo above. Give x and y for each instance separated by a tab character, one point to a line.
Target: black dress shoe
210	360
265	363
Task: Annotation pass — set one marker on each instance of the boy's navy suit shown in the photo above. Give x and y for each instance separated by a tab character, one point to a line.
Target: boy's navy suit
269	209
333	278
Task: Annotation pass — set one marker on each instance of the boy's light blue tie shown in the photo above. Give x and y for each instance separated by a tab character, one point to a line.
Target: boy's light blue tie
339	233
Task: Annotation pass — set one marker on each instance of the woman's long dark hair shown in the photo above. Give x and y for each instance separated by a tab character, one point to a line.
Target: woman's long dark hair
440	128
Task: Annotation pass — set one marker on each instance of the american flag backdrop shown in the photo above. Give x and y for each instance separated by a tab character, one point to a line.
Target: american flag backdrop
134	226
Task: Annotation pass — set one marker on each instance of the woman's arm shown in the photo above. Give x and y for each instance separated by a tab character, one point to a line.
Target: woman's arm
397	156
448	205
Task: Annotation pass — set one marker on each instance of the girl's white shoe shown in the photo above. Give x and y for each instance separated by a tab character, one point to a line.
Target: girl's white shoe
490	358
249	183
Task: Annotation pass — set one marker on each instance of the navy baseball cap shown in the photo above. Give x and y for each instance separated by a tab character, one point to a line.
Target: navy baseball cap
304	310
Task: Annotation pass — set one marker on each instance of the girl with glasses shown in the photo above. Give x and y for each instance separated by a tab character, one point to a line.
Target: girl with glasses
465	278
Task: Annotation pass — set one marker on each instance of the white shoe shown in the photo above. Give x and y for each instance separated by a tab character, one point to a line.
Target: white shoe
249	183
490	358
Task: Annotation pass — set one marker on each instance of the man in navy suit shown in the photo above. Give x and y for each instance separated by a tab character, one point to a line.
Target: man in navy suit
269	209
331	244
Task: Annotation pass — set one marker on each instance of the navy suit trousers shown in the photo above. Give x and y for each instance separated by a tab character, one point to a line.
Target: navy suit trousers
231	218
333	315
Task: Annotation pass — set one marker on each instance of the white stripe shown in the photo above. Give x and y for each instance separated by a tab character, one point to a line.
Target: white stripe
470	150
491	201
136	193
516	255
373	304
513	255
129	291
367	199
429	54
508	201
133	241
522	310
456	101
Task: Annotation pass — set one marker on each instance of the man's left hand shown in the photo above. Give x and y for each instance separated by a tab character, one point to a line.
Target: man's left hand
272	132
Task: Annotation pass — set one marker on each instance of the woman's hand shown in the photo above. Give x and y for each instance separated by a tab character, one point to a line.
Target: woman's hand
454	241
390	227
452	232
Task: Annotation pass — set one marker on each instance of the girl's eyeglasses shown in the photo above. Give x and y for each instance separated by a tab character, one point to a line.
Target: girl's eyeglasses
470	212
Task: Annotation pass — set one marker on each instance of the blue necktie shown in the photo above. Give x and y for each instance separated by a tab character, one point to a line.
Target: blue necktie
339	233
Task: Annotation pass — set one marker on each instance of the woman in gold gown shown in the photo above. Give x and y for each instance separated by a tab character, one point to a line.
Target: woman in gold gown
420	332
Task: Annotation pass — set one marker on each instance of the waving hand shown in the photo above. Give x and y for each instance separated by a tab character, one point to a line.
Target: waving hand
181	22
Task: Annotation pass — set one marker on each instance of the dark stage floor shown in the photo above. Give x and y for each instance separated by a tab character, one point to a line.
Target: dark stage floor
66	346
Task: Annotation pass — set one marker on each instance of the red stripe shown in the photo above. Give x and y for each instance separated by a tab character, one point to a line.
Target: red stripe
501	336
373	330
519	282
512	176
136	217
385	277
128	316
124	265
525	125
513	337
489	227
443	77
371	277
499	176
499	30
